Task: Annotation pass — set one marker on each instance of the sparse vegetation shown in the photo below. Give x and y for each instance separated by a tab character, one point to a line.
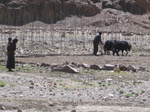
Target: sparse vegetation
2	84
121	92
100	83
142	91
2	68
128	95
103	85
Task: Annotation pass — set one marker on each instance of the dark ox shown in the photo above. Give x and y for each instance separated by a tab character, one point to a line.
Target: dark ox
121	46
108	46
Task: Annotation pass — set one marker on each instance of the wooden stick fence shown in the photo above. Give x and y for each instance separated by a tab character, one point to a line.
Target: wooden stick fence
48	40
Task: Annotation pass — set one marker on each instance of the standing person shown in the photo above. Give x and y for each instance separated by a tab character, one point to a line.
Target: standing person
96	42
9	54
14	44
11	47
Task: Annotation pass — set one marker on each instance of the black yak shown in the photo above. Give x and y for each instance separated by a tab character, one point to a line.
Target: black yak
108	46
121	46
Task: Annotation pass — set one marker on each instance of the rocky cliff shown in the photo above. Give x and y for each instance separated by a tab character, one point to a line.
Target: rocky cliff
20	12
132	6
15	12
145	4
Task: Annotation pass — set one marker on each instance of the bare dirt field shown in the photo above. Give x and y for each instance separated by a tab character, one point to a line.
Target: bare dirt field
138	61
32	88
87	91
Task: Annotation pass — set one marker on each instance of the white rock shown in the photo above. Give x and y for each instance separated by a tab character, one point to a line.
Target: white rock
109	67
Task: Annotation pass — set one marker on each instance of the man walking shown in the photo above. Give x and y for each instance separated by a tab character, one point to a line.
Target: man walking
96	42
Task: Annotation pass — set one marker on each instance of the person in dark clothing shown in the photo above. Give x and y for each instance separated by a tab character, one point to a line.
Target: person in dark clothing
14	44
96	42
9	55
11	47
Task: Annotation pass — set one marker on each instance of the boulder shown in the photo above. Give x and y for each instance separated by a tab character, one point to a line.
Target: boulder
84	65
2	107
122	67
53	65
45	65
131	68
73	111
108	67
19	110
65	68
142	69
95	67
69	69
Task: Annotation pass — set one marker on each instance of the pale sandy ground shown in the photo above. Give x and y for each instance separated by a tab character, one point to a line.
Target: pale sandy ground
62	92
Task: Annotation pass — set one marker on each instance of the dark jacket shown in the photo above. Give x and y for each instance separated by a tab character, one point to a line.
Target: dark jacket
97	39
10	56
11	47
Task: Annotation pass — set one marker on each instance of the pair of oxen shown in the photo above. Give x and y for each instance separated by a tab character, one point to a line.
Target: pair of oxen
115	46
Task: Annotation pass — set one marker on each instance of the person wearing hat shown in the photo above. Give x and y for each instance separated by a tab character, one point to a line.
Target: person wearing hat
96	42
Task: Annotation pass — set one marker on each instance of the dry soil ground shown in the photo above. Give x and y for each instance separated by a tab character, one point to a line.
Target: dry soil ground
88	91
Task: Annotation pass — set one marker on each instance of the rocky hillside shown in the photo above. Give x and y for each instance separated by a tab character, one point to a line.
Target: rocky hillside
145	4
132	6
20	12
